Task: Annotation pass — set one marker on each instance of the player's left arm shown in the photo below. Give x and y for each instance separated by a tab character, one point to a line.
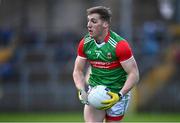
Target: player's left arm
129	64
131	68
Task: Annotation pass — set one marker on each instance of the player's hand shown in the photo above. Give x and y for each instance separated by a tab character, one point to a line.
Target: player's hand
109	103
82	96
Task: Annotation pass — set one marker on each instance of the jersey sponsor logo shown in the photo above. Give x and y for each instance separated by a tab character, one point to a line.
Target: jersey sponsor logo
106	65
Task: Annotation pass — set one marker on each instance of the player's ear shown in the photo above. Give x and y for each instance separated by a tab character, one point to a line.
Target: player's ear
105	24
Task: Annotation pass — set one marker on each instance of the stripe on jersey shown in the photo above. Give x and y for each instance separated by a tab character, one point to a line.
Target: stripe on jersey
88	39
81	57
128	60
112	42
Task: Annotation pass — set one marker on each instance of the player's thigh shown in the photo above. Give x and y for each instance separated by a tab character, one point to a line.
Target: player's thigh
91	114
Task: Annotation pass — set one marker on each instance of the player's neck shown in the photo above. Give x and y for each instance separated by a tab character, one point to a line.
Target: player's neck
100	39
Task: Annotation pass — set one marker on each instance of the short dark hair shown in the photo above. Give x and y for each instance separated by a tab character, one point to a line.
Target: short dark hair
104	12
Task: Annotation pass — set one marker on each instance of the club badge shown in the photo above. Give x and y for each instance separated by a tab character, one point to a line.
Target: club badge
109	56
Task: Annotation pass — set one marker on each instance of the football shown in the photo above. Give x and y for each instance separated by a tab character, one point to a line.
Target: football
97	95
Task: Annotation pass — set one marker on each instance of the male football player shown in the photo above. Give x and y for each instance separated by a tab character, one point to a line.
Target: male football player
112	64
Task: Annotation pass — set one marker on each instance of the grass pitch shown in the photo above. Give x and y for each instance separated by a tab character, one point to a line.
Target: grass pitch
78	117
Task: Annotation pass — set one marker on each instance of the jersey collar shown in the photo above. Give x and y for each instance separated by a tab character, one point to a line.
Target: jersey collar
107	37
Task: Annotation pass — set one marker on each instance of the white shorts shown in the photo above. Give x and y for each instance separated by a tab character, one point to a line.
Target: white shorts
117	111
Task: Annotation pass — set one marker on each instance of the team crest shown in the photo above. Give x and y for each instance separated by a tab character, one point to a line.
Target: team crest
109	56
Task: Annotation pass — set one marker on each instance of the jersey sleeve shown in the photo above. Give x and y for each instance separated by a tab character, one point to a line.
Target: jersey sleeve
123	51
80	51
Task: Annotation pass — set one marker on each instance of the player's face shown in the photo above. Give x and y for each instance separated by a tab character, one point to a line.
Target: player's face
95	25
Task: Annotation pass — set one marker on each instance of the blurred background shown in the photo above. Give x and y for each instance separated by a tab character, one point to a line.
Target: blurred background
38	43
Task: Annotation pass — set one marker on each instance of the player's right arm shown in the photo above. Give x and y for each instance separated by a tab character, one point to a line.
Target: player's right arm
78	75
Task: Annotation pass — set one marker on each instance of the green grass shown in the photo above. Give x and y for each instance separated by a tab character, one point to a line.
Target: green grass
43	117
78	117
152	117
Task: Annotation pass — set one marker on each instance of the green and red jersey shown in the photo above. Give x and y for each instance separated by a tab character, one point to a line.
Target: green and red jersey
105	60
